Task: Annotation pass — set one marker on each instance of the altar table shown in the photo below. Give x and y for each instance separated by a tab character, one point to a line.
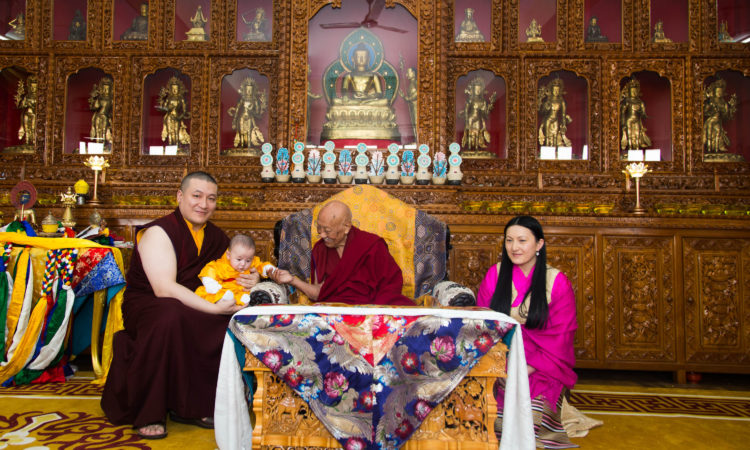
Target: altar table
53	294
371	376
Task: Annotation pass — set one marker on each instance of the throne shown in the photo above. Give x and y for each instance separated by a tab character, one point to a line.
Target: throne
463	419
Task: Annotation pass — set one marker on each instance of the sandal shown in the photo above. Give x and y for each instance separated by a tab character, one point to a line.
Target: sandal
161	435
205	422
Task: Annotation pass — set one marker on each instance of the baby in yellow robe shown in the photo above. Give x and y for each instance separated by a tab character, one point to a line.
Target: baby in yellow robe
218	277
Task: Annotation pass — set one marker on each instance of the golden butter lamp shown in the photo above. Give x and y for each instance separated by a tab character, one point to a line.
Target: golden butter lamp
97	164
636	171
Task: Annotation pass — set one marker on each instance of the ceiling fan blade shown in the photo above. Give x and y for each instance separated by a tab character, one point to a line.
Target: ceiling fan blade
376	7
397	30
341	25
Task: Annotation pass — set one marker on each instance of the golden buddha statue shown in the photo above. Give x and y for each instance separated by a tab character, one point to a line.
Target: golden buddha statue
100	101
477	110
361	109
174	106
659	36
555	119
717	110
257	31
411	96
632	113
250	107
534	32
17	28
469	31
199	21
26	101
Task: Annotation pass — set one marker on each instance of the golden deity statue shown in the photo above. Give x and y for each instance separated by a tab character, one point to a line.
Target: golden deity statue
724	35
555	119
632	113
717	110
17	28
257	31
100	101
311	97
476	113
659	36
138	30
411	96
174	106
26	101
469	31
250	107
199	21
361	109
534	32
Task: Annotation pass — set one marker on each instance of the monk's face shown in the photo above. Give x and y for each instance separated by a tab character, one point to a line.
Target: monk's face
332	229
198	202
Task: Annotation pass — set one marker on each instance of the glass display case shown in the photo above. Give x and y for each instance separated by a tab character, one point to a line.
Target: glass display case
472	21
563	116
131	20
361	72
733	19
537	21
603	20
244	113
192	20
165	123
13	20
18	90
645	120
89	102
726	111
254	21
481	115
69	21
669	21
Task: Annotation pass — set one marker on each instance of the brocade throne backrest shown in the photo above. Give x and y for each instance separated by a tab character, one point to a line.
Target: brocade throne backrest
416	240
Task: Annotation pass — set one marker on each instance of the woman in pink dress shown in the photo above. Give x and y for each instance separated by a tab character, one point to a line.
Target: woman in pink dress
541	298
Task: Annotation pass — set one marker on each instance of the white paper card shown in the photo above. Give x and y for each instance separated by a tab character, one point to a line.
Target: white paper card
564	152
635	155
82	148
547	153
156	150
653	154
96	148
170	150
585	154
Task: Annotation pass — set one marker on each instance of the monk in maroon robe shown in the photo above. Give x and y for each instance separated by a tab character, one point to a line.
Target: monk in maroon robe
349	265
167	357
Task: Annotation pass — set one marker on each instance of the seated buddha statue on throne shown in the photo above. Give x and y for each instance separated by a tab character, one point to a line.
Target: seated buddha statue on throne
361	107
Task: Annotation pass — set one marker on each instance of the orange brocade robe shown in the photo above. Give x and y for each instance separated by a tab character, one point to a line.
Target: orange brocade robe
221	270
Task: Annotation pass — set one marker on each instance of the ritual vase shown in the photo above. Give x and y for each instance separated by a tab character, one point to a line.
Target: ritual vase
282	177
311	178
298	173
329	174
345	179
407	179
377	179
438	180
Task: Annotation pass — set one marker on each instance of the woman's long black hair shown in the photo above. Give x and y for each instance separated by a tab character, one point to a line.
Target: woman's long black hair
501	299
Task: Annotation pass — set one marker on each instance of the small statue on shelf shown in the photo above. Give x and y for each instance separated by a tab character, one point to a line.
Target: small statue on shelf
23	197
26	101
311	97
469	31
724	35
659	36
632	113
476	112
257	31
77	29
250	107
172	102
594	33
534	32
17	28
553	108
411	96
717	110
100	101
199	21
68	199
138	30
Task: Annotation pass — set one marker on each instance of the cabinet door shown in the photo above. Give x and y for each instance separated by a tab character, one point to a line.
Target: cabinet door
717	300
639	299
574	255
471	257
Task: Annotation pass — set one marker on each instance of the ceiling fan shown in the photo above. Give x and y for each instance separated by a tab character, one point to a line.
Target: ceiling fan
375	7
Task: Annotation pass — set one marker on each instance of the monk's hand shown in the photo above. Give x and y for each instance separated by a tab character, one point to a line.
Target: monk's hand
282	276
248	280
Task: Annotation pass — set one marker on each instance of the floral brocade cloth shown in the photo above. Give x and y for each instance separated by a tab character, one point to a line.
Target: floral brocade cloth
370	379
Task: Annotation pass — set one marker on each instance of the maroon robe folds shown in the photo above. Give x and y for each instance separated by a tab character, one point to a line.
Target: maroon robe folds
167	357
366	273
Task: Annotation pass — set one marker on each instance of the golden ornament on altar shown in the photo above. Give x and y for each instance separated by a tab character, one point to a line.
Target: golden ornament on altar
81	187
637	171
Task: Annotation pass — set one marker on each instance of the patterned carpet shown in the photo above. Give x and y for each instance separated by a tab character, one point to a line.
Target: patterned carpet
68	416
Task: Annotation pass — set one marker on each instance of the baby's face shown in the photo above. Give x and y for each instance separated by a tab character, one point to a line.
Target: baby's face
240	257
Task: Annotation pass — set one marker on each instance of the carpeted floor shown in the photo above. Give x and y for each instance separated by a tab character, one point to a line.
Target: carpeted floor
68	416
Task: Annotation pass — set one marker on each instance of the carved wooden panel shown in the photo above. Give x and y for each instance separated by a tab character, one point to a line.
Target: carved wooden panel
512	26
577	30
575	256
717	300
30	65
155	28
472	256
640	318
493	43
93	26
